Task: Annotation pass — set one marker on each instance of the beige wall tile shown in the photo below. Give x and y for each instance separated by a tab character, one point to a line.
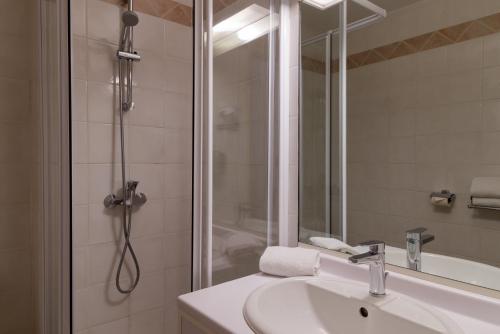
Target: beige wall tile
79	17
430	149
80	224
102	65
152	71
491	83
152	138
491	50
105	304
491	116
104	143
102	101
178	76
490	153
150	321
79	100
80	144
79	57
178	41
80	184
465	56
149	34
148	108
104	21
403	150
149	294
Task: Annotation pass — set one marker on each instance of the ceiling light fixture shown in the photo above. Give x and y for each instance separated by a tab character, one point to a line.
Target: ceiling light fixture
243	27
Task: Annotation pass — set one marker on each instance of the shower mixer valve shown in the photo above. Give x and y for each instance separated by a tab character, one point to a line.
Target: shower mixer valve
133	198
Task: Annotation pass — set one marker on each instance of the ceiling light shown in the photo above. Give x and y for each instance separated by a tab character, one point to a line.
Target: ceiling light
243	27
238	21
322	4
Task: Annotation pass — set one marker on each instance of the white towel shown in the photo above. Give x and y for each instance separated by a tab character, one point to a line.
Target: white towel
333	244
487	202
485	187
289	262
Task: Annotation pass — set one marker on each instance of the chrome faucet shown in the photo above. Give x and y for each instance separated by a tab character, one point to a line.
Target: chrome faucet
375	258
415	239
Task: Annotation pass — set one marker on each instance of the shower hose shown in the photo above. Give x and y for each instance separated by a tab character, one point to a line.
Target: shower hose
128	194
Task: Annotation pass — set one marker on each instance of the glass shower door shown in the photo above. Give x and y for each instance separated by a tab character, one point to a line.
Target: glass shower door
315	133
237	152
320	193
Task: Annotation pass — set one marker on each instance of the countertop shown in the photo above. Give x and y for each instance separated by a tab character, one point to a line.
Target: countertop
220	308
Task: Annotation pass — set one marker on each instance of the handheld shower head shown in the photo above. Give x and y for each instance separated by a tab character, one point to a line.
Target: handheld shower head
130	18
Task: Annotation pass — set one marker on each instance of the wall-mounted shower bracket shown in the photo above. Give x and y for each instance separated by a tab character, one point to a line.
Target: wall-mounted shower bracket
134	56
133	198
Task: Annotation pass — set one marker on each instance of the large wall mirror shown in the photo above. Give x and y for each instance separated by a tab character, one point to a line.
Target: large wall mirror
421	131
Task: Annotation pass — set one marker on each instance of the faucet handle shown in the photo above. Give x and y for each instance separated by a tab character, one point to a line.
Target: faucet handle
418	230
416	235
375	246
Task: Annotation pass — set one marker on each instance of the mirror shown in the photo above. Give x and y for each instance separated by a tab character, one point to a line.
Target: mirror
422	134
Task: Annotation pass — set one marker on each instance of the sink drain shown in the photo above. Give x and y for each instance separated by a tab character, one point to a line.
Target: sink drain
363	312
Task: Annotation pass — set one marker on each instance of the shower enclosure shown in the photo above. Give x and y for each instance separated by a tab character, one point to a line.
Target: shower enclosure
235	196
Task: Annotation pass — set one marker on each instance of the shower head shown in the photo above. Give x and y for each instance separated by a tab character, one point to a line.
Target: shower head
130	18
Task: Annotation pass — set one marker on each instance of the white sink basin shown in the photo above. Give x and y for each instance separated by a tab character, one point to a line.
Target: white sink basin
455	268
321	305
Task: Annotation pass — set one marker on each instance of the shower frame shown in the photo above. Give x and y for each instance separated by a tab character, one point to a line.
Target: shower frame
202	208
54	263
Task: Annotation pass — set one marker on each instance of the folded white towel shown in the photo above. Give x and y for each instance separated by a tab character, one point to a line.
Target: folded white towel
333	244
289	262
489	202
485	187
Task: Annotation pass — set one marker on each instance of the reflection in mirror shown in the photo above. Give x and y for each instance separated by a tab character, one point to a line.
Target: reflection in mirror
423	164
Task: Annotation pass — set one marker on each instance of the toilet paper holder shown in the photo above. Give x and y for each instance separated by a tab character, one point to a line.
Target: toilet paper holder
444	194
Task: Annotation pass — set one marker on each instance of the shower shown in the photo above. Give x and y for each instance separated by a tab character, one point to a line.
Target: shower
129	196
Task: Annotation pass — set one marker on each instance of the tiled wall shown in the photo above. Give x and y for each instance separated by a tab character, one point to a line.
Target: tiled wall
158	153
19	149
421	123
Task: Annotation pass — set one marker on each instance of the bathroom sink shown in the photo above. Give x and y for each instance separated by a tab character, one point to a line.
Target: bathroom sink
326	305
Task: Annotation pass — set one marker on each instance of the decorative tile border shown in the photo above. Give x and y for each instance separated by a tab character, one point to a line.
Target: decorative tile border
166	9
450	35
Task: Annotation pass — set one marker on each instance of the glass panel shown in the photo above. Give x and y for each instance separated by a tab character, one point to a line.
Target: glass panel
314	198
319	193
242	130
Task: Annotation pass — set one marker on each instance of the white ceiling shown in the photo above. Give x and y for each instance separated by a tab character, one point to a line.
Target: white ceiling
315	21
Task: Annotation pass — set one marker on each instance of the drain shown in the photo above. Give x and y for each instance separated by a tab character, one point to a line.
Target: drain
363	312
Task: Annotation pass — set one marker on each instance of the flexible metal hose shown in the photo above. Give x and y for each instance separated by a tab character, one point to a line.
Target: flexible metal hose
128	196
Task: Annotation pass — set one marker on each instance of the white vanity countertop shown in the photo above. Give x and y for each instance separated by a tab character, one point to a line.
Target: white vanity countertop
220	308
